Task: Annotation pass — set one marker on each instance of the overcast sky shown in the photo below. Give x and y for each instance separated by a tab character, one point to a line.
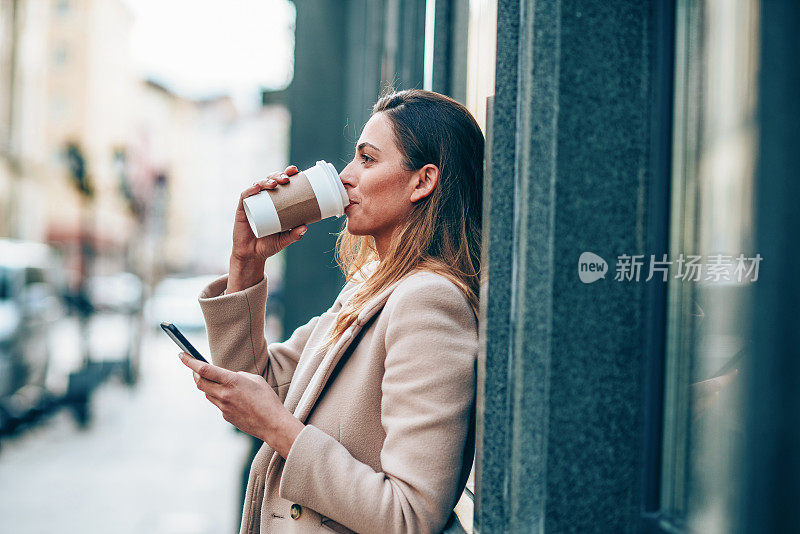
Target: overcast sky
200	48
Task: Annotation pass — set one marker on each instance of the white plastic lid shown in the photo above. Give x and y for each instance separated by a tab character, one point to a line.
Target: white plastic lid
337	187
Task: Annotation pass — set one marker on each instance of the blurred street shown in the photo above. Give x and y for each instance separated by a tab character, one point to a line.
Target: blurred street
156	458
126	138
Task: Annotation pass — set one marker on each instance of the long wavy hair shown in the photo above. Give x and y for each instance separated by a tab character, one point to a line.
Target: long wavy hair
442	233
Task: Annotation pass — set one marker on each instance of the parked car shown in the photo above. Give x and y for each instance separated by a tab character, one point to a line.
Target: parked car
30	304
115	331
121	292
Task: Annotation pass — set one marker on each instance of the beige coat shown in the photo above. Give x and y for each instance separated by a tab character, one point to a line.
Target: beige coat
389	410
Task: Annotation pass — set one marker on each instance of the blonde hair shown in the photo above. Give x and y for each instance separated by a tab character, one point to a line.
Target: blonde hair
442	232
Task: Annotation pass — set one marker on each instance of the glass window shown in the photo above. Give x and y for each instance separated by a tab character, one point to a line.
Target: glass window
480	81
481	57
714	265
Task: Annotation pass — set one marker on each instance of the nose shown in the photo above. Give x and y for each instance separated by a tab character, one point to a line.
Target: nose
346	176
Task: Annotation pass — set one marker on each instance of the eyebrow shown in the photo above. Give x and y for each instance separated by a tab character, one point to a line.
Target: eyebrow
362	145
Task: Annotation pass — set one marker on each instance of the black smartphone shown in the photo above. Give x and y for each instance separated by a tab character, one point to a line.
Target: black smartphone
179	339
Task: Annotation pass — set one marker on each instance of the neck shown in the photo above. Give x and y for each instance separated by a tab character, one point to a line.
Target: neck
382	245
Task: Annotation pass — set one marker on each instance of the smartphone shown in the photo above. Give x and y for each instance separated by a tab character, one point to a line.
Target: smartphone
179	339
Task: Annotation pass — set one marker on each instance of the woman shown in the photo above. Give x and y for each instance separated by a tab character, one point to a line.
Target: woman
367	410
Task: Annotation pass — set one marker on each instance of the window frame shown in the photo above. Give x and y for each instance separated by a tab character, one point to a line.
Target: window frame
665	87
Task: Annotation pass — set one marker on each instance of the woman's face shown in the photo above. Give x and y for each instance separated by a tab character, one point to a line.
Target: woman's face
383	191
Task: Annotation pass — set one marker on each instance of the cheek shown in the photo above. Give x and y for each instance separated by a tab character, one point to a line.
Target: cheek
381	201
382	206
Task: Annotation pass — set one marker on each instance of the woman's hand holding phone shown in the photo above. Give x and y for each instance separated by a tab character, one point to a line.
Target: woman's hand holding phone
247	402
249	254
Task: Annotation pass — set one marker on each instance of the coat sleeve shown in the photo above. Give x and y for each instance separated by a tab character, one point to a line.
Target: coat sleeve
428	391
235	326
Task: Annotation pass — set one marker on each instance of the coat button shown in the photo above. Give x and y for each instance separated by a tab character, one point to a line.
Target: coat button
296	511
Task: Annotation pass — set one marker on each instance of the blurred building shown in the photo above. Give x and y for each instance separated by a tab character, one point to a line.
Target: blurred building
69	81
205	153
160	167
24	51
91	86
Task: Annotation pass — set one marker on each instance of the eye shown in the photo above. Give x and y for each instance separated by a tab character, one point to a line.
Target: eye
365	158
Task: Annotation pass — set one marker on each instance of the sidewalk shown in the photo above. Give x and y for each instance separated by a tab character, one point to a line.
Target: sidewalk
158	458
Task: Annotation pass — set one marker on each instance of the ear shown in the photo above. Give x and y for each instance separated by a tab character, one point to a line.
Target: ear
424	181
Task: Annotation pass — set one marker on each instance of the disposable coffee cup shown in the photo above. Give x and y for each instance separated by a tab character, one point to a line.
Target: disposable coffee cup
310	196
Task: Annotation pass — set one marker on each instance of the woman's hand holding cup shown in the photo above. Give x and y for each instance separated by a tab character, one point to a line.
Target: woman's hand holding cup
249	254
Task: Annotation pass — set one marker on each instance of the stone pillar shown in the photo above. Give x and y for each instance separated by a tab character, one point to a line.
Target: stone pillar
561	410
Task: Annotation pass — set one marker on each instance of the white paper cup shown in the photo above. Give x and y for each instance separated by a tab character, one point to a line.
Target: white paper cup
310	196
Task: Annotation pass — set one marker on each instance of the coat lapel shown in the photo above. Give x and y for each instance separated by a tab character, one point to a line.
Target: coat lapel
317	371
305	372
310	379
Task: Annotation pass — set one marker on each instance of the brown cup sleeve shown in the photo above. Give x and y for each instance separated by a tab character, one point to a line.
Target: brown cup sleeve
295	202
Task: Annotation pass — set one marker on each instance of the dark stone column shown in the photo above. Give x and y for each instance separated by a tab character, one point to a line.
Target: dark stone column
316	101
493	407
365	42
411	44
451	32
561	414
343	51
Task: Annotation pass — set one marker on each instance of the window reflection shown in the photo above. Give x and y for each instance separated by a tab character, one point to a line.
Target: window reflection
708	346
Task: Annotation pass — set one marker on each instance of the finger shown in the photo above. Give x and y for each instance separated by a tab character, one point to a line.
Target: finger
215	401
267	183
291	169
250	191
273	176
192	363
217	374
290	236
283	178
214	389
208	371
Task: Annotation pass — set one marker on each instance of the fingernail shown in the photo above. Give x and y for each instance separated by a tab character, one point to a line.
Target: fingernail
271	181
284	175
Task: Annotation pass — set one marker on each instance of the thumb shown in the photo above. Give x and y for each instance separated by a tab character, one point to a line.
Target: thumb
298	232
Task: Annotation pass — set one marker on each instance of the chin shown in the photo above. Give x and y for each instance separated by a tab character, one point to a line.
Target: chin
353	229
